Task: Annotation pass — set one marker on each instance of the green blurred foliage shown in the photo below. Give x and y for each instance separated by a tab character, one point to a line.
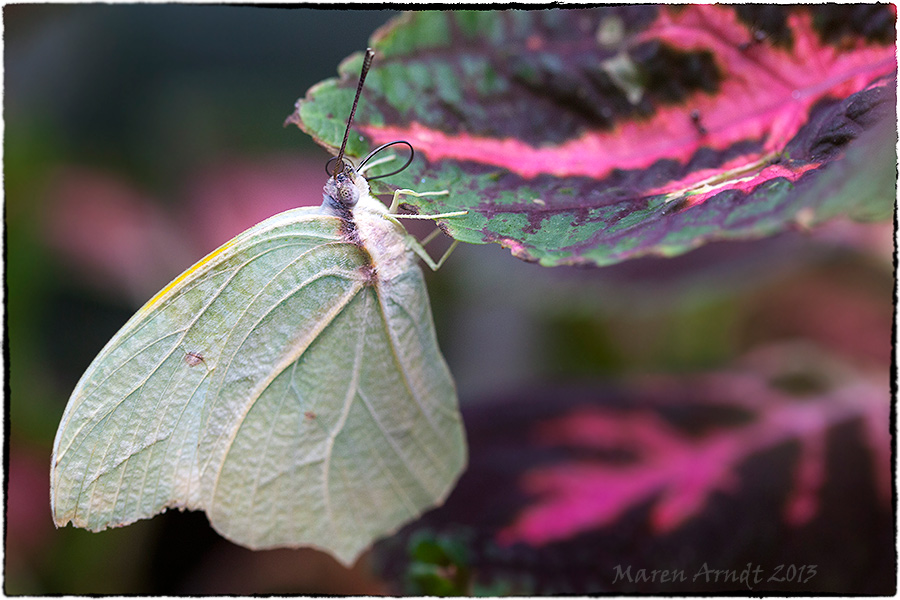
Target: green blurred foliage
440	565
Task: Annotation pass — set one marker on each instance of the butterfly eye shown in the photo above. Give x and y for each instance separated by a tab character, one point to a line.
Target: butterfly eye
348	198
342	190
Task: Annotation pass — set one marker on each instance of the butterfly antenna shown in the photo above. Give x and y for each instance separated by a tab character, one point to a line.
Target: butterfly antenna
367	62
412	154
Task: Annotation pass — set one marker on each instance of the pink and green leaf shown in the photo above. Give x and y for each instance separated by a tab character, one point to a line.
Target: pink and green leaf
757	462
594	136
680	475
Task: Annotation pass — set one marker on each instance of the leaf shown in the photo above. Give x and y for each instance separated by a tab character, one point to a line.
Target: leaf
762	462
680	474
289	384
118	238
595	136
439	566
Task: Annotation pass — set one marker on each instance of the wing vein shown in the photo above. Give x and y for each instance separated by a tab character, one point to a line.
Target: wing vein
407	380
352	390
296	351
186	285
398	487
290	357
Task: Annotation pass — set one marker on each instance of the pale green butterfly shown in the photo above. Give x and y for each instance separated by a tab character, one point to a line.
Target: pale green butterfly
289	384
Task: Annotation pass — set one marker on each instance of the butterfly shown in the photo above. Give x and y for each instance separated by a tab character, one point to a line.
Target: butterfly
289	384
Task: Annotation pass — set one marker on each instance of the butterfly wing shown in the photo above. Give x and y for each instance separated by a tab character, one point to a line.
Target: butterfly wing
380	440
273	386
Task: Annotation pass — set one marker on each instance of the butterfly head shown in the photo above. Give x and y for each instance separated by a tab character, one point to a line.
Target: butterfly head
346	183
344	188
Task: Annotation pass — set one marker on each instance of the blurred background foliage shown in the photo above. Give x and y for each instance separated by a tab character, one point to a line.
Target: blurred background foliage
138	138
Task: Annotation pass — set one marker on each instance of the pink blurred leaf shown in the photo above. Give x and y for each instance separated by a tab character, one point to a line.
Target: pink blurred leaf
117	237
124	241
28	523
225	199
678	473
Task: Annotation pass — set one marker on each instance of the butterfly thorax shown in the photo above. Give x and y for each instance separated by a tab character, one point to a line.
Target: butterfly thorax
365	223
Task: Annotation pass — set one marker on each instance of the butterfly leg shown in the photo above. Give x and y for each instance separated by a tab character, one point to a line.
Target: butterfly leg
395	203
419	249
414	244
430	237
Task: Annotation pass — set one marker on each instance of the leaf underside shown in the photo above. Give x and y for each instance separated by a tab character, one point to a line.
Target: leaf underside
595	136
273	387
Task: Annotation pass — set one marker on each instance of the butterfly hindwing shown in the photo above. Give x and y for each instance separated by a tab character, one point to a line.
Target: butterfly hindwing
359	435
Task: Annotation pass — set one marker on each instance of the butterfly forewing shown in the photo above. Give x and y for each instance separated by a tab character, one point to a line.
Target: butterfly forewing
127	445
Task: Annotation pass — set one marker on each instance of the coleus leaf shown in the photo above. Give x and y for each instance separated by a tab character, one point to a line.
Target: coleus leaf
594	136
757	462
